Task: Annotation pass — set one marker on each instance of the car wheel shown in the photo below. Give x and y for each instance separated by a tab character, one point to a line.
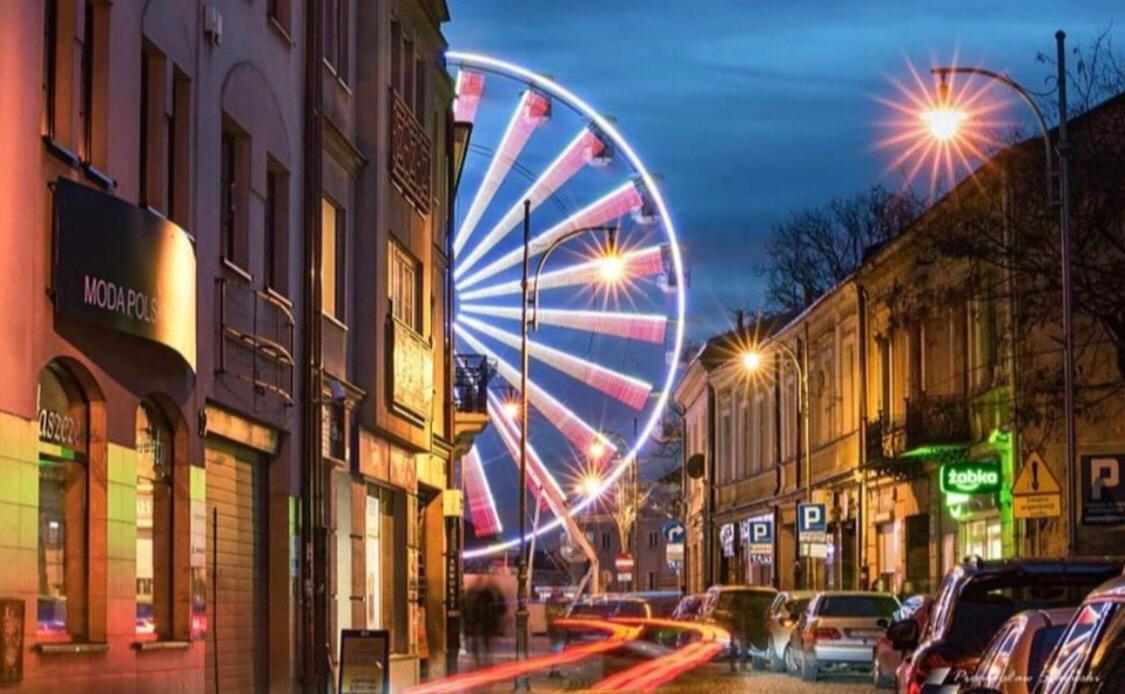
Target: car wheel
790	660
809	668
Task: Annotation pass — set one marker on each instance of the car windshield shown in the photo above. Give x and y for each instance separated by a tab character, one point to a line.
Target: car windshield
1107	667
1085	633
1041	645
857	606
586	609
744	601
796	607
988	601
630	608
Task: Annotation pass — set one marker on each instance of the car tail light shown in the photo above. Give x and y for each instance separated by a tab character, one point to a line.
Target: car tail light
921	668
814	634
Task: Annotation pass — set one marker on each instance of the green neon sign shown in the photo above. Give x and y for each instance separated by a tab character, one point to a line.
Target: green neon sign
970	478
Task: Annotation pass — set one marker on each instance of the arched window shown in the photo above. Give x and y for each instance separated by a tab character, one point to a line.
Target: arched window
154	451
64	417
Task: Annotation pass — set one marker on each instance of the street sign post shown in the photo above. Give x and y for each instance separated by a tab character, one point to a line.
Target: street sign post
1036	493
812	529
674	532
760	537
1103	495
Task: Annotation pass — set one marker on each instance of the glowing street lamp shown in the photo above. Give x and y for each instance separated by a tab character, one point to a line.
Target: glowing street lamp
512	409
597	449
611	267
590	485
944	124
522	577
751	360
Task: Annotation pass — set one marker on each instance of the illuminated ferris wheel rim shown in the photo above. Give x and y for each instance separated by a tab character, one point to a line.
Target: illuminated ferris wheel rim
487	63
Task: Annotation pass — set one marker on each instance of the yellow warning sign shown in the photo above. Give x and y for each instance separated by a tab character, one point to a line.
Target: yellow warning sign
1035	478
1037	506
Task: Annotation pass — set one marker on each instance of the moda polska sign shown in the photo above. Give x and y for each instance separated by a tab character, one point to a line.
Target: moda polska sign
970	478
123	267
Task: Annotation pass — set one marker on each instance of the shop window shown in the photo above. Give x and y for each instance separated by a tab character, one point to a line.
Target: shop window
276	232
404	287
154	451
234	174
62	540
332	259
373	554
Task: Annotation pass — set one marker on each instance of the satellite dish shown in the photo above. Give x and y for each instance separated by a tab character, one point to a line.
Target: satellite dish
695	466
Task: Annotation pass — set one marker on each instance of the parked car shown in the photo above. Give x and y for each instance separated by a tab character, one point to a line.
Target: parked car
975	600
742	611
841	628
785	611
688	608
609	606
1013	660
1090	655
885	660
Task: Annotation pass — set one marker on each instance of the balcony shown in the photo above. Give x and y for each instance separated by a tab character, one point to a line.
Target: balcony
472	374
930	421
255	339
410	154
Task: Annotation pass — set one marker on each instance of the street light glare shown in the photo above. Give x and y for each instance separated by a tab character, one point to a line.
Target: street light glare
944	122
597	449
590	485
612	268
511	409
751	360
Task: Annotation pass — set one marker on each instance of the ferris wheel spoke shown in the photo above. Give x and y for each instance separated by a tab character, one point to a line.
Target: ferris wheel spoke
609	207
531	111
642	262
469	88
537	472
581	151
569	424
646	327
482	505
631	391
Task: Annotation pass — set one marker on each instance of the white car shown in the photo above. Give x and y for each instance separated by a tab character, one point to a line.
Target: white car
786	609
841	630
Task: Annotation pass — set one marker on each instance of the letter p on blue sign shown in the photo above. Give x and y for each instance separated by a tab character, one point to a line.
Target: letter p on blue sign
811	517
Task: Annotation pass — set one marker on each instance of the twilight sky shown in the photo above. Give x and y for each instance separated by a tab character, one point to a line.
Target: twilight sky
751	109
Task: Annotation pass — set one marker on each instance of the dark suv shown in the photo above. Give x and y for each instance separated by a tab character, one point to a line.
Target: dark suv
976	598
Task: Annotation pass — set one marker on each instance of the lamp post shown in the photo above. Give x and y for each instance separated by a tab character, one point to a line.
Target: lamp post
945	127
751	362
613	267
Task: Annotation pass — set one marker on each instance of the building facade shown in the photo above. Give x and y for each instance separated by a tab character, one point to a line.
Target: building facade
228	370
929	371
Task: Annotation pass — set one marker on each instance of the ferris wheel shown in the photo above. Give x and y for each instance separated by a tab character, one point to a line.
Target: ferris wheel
609	302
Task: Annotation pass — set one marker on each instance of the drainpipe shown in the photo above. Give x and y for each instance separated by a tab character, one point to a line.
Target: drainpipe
314	565
778	472
709	509
861	508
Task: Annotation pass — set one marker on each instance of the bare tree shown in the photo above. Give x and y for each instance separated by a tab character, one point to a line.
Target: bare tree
815	249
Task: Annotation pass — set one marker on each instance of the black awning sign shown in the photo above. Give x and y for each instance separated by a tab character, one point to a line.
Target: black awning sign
121	266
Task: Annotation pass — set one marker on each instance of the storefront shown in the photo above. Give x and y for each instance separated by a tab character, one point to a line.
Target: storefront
970	491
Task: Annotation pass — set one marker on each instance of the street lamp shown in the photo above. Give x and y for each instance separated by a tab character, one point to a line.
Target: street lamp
944	124
612	267
752	361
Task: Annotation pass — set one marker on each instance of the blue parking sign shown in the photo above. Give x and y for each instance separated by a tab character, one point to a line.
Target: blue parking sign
812	523
759	535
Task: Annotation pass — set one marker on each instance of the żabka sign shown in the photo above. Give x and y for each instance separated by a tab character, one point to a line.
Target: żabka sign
970	478
123	267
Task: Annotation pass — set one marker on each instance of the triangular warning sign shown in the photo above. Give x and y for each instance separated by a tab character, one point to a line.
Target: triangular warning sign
1035	478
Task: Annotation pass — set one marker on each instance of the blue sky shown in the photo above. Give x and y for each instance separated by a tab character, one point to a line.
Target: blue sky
751	109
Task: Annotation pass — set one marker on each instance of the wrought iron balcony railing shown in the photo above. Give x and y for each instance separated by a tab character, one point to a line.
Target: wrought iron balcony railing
470	383
929	421
410	154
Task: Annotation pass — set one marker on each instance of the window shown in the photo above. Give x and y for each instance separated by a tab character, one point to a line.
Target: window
61	547
154	522
50	63
332	258
396	57
408	72
281	12
652	580
87	112
336	36
404	287
374	560
605	540
233	181
653	539
163	136
419	88
276	229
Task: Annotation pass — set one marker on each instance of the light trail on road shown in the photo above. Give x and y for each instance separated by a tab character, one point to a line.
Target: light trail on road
617	636
649	675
